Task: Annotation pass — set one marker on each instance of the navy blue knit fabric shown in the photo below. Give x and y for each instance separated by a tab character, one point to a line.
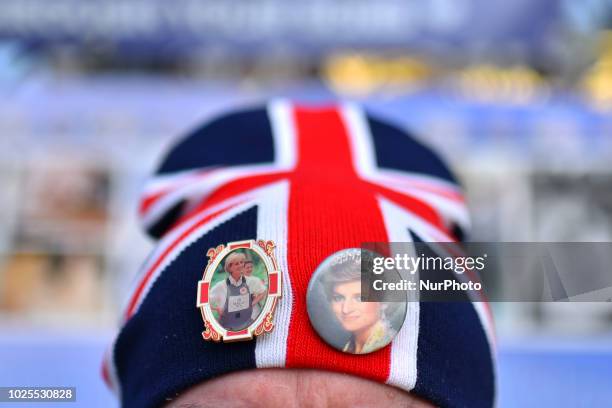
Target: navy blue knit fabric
454	366
216	142
396	149
160	351
167	220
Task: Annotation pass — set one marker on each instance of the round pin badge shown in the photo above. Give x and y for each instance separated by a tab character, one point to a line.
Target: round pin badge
339	315
239	290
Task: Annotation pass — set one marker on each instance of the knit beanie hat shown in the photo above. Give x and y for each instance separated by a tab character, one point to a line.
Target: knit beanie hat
313	181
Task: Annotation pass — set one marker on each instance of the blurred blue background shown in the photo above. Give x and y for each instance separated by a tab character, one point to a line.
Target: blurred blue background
517	96
534	372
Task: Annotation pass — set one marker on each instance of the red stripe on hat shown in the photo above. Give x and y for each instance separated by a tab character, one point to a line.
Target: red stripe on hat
447	192
226	191
138	293
231	189
330	209
105	374
414	205
149	199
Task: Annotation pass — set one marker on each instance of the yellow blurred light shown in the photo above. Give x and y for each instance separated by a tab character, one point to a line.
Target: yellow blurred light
597	81
359	74
488	84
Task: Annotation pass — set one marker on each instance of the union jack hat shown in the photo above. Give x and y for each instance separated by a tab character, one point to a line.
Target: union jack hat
315	181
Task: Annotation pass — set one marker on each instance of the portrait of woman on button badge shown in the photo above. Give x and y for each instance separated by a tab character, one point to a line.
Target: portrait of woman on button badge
366	322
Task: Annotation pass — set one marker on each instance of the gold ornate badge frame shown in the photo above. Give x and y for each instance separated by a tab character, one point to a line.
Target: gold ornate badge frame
213	330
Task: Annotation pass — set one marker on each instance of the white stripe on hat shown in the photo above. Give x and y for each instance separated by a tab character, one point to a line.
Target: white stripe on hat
427	188
174	234
429	233
195	185
448	202
265	196
200	188
283	133
271	350
161	182
188	240
403	370
363	152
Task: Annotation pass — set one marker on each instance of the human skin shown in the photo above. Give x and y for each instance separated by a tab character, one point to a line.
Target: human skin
355	316
248	268
289	388
258	298
236	267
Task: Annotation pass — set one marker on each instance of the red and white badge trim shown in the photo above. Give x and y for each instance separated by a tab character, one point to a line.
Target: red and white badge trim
214	331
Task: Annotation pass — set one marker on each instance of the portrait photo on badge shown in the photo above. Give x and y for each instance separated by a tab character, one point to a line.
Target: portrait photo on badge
337	313
238	289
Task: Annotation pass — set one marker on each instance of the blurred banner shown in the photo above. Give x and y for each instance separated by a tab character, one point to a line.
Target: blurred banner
313	26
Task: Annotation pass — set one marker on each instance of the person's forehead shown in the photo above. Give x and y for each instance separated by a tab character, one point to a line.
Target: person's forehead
296	388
